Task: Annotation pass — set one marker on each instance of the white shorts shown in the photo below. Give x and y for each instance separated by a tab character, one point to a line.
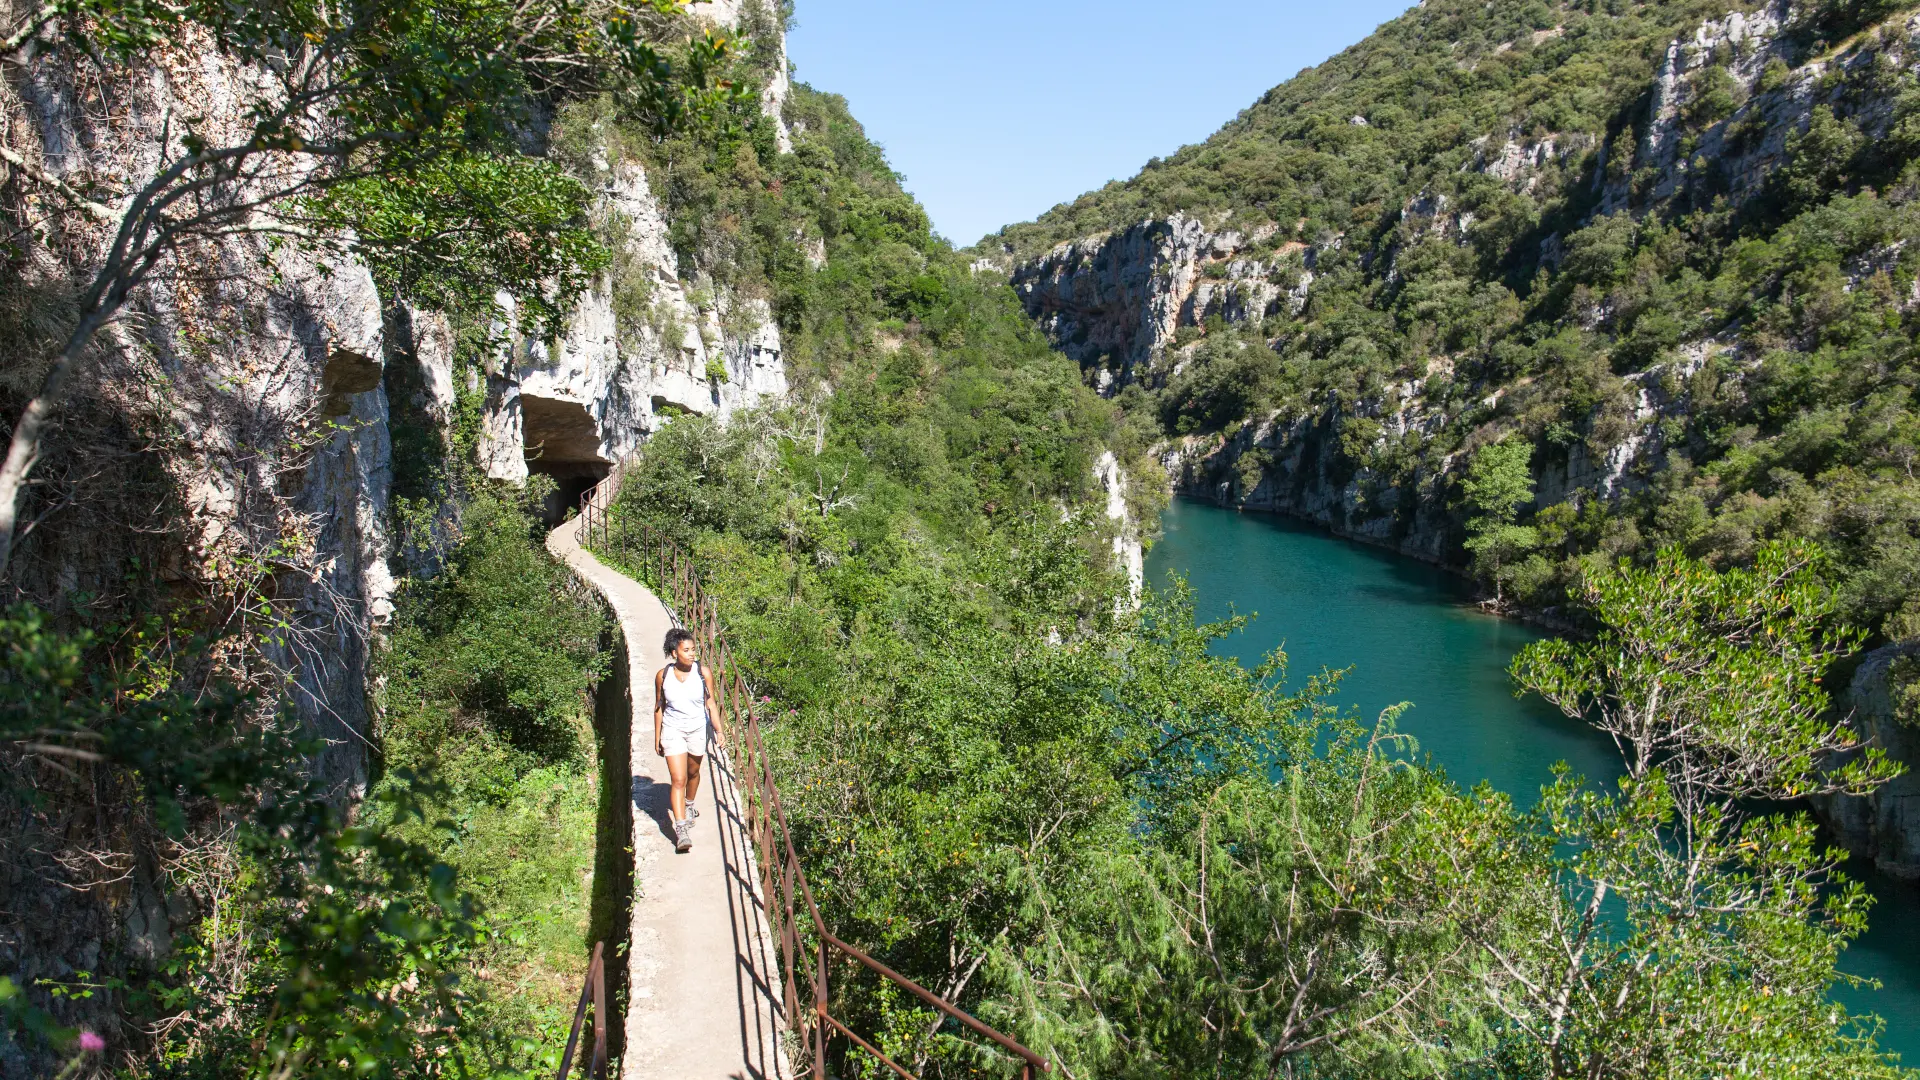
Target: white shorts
674	741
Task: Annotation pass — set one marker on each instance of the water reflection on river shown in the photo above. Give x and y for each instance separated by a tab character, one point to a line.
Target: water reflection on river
1408	633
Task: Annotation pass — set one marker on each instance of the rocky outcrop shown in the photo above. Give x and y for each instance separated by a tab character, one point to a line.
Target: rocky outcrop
1129	554
254	371
1113	302
224	461
647	342
1883	826
641	347
1335	466
1298	467
757	16
1736	156
1741	44
335	322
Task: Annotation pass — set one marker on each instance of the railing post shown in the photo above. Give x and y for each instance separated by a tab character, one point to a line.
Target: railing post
597	975
592	991
820	1018
792	941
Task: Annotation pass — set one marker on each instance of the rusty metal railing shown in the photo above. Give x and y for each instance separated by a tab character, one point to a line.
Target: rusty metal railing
783	884
594	991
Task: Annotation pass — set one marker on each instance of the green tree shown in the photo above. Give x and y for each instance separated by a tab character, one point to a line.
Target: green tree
1819	159
1610	952
1708	681
1713	677
1299	925
468	645
1497	485
354	930
484	680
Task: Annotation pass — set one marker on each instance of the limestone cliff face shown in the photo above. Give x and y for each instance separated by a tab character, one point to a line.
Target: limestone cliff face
1735	157
1313	466
590	398
647	342
252	374
258	373
228	444
1129	553
1114	302
1298	468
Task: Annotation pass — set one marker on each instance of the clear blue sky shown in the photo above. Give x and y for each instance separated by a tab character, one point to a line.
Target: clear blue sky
996	110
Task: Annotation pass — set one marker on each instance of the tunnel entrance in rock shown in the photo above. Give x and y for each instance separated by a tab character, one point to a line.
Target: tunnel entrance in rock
562	441
573	480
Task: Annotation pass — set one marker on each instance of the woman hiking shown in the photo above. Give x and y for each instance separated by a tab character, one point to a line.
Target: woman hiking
684	706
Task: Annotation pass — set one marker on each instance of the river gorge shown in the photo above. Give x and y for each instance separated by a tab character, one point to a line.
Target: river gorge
1408	631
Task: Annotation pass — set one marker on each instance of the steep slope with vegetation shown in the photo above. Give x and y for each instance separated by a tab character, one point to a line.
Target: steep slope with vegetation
1527	288
1072	816
1666	245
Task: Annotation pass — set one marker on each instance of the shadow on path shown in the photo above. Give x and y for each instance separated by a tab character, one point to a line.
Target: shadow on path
704	998
653	799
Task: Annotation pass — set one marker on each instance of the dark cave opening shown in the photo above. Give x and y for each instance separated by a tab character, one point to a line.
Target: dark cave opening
562	441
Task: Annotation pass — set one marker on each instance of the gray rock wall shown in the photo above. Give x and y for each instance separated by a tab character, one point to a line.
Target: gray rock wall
591	398
254	372
227	446
1737	156
613	378
1884	826
1296	467
1129	554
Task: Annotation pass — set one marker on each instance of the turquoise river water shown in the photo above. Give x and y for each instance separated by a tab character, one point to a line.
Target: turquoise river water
1408	632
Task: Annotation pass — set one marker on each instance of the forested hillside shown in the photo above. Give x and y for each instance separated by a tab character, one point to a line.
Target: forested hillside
1665	246
1527	288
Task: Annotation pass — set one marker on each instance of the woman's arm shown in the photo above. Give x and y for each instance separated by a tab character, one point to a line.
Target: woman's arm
659	710
713	707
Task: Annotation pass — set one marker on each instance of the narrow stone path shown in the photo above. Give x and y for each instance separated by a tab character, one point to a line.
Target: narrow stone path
704	998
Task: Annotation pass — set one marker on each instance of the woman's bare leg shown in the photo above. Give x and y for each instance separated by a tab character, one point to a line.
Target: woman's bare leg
677	771
693	777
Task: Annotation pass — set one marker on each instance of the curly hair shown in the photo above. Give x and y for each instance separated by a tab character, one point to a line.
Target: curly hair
675	636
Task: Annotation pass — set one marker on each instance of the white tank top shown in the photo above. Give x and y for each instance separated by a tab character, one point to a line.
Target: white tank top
686	698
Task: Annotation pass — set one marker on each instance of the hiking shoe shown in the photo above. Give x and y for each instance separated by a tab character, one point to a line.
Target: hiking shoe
692	812
682	836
